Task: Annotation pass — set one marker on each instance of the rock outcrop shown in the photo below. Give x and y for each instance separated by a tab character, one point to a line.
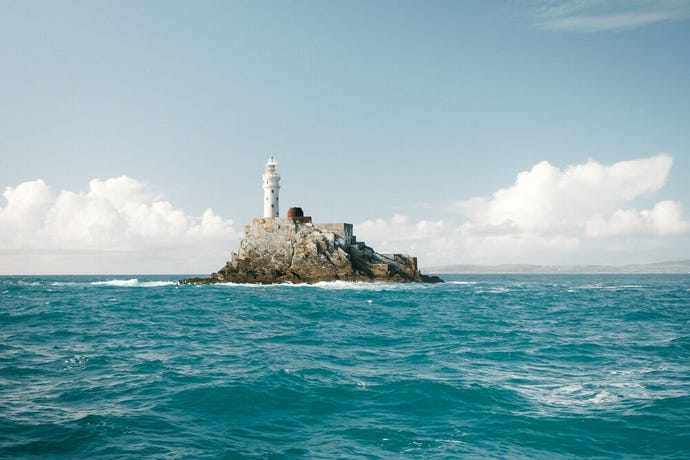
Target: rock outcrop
275	250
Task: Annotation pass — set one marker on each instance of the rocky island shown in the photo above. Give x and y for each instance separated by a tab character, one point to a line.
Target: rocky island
275	250
296	250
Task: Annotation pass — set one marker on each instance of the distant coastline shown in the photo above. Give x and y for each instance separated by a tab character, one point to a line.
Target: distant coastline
678	266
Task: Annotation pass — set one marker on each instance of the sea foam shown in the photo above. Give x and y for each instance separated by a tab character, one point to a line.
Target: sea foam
133	282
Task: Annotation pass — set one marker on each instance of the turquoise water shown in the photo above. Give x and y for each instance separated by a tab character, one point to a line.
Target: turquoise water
492	366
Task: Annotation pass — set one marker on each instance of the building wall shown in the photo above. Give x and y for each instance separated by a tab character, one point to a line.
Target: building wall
341	229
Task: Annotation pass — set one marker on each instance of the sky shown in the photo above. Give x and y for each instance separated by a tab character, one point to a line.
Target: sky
133	135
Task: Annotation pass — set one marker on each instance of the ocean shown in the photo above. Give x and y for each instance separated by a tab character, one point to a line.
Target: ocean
483	366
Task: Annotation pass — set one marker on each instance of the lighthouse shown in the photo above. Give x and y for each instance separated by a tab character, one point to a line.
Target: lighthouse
271	188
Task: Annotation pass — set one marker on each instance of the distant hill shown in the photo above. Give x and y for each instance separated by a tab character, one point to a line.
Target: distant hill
679	266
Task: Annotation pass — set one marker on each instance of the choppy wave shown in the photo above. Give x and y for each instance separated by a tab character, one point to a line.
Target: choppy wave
481	366
363	286
133	282
330	285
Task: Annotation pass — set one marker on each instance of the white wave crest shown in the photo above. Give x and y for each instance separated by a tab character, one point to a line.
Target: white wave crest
64	283
133	282
355	285
129	282
332	285
157	283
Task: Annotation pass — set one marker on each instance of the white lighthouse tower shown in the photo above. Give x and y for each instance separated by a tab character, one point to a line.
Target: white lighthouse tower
271	188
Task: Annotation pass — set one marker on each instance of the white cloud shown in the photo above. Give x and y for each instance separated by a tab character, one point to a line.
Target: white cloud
666	218
399	228
548	215
116	214
548	200
399	234
603	15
